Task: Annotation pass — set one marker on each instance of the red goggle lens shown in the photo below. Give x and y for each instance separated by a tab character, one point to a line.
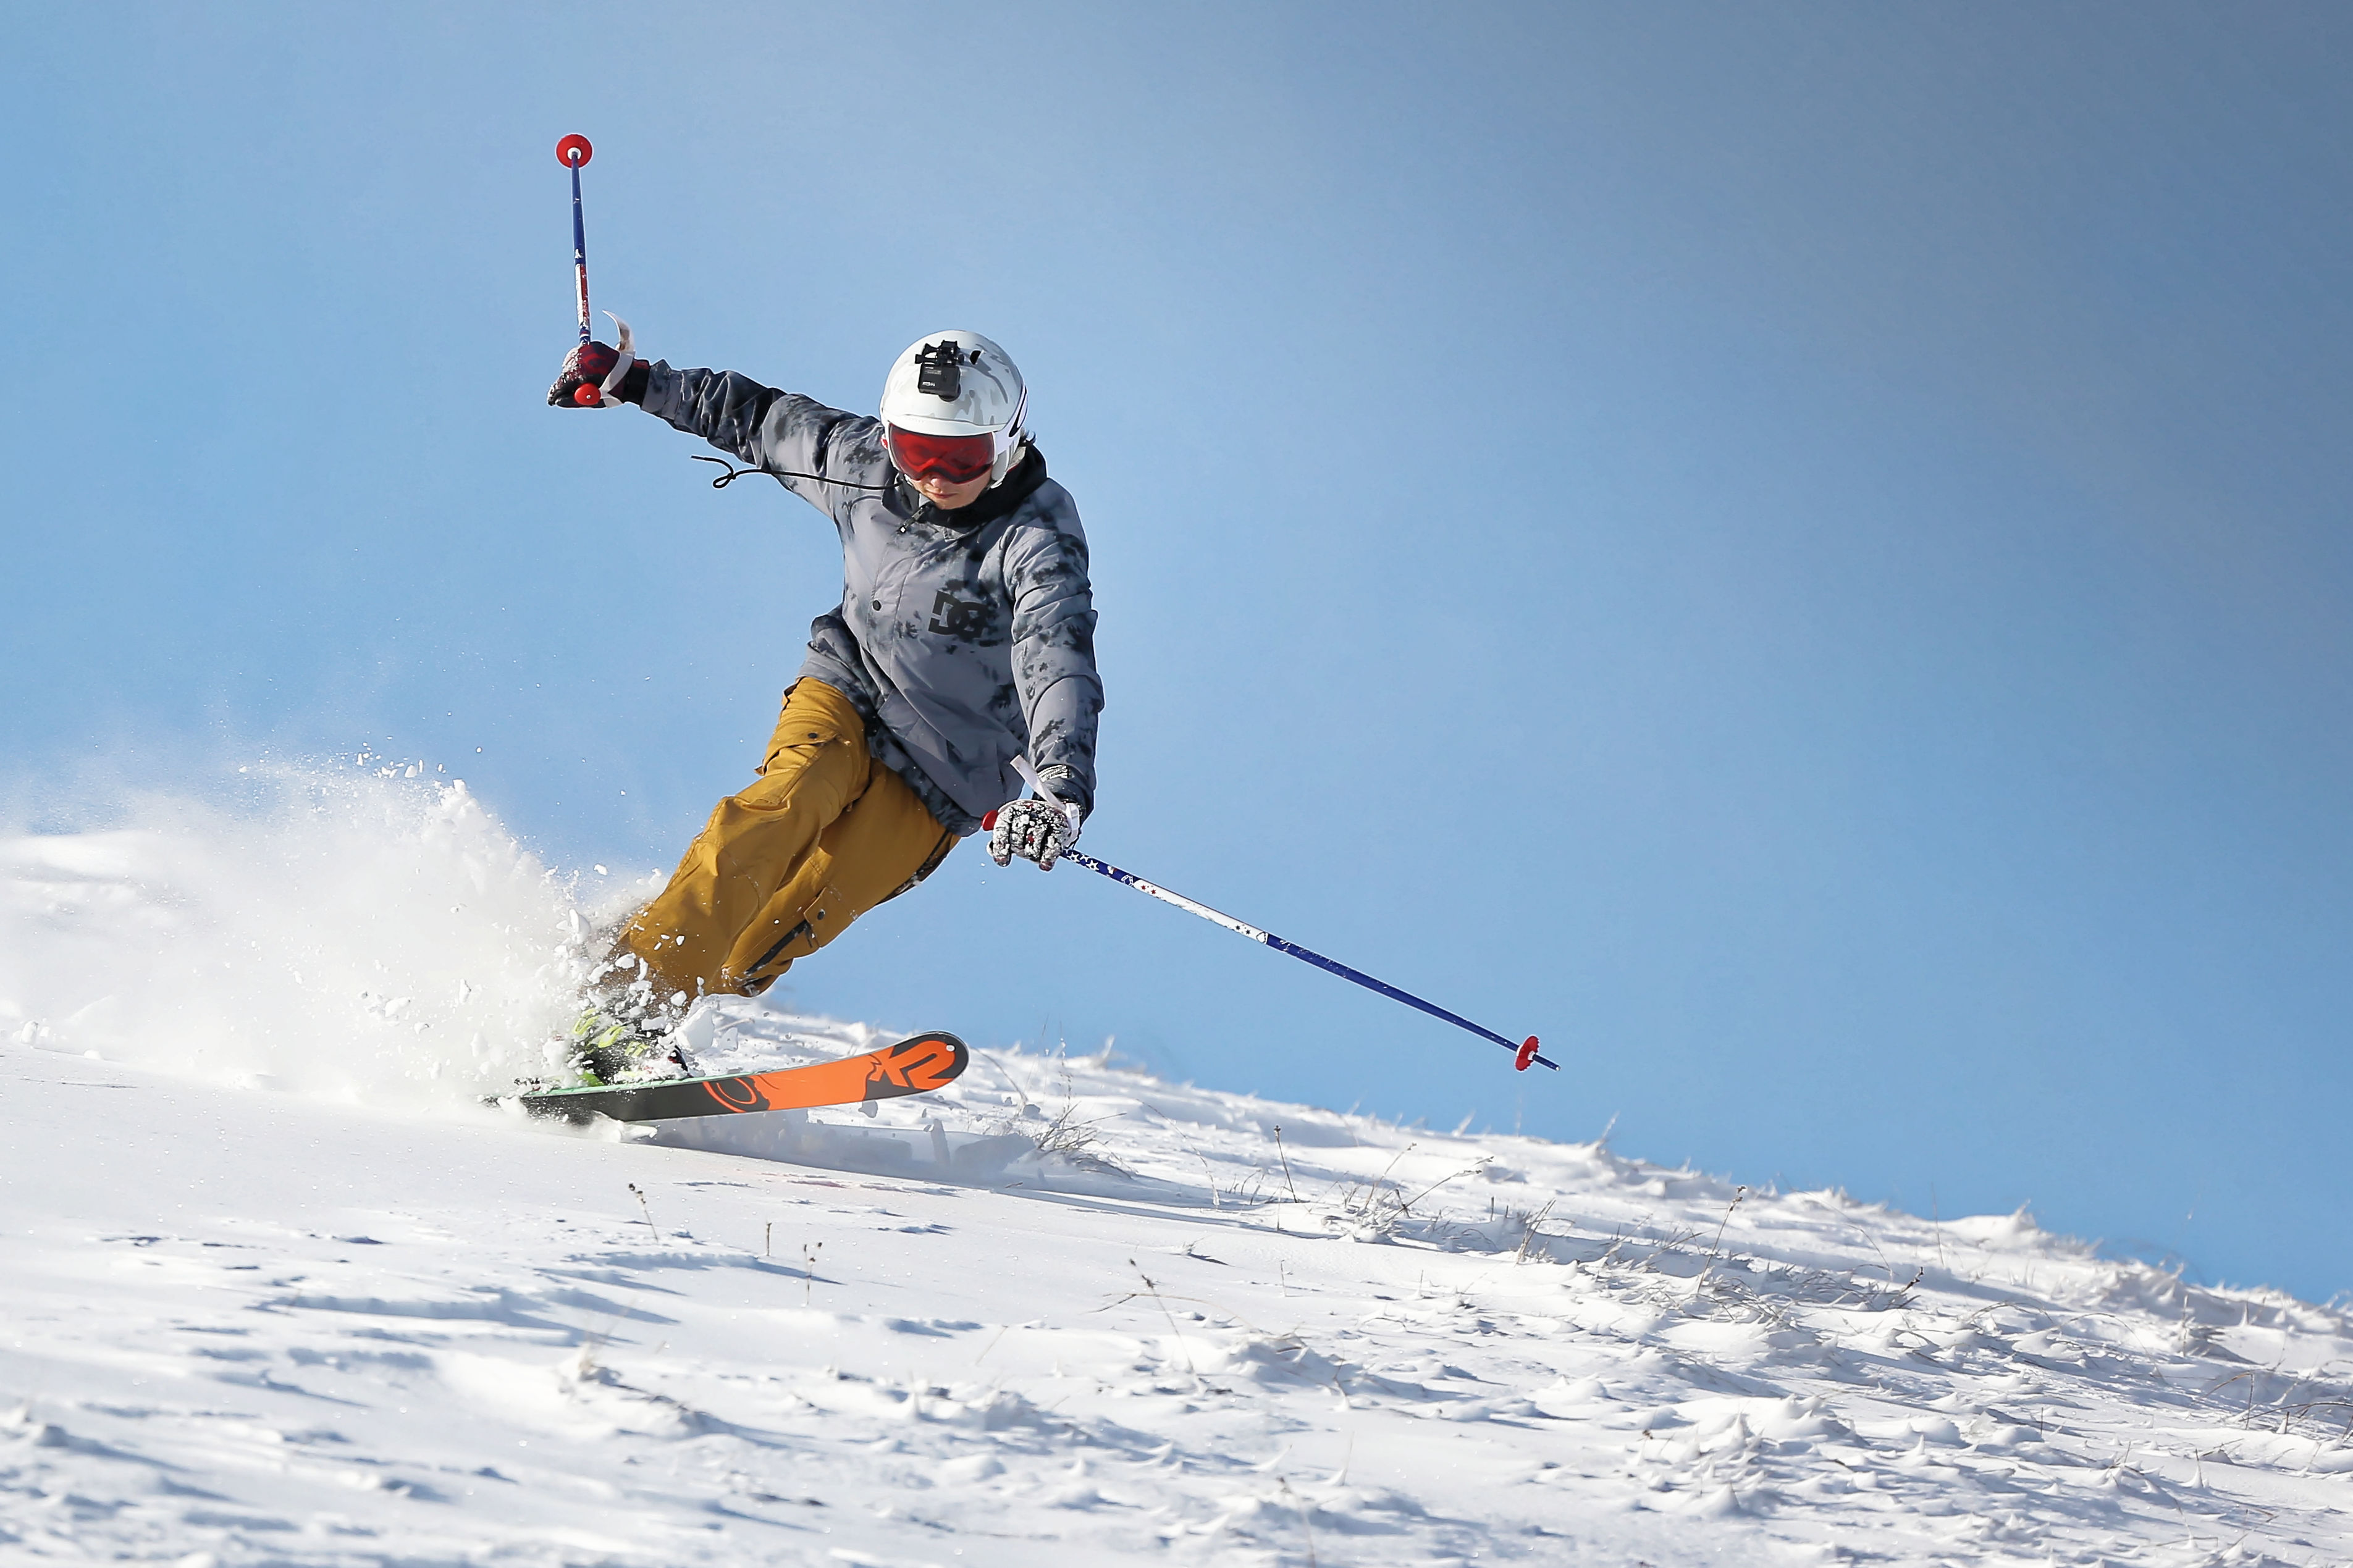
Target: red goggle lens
959	459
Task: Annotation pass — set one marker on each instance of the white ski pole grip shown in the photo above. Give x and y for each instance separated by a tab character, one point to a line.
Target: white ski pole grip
627	343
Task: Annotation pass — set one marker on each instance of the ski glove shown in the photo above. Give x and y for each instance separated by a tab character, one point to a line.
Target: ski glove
590	365
1034	829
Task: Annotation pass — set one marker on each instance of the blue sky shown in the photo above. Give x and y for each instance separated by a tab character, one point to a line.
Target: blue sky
1798	553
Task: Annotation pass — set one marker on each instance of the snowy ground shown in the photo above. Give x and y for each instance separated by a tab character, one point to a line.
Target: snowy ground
263	1303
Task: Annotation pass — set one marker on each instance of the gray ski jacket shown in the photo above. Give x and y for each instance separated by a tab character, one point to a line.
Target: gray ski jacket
965	638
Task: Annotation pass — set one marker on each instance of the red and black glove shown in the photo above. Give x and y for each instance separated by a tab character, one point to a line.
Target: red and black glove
579	384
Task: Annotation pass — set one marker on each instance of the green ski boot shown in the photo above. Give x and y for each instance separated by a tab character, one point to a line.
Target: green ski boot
607	1049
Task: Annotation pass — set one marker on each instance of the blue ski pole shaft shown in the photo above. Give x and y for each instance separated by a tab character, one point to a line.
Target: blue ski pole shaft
580	252
1524	1052
573	151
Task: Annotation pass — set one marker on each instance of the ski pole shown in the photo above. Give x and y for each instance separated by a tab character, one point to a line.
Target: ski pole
1524	1052
573	152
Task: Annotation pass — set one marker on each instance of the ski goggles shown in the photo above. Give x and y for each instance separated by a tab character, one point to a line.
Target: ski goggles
958	459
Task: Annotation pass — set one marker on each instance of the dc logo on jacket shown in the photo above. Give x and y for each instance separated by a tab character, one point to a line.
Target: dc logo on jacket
953	617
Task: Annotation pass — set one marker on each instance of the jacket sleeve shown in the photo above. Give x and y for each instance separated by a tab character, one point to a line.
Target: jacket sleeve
1054	657
781	432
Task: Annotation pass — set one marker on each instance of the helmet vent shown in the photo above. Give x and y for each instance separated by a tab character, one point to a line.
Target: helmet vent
941	369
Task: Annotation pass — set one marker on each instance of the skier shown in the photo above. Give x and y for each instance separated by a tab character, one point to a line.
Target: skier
964	641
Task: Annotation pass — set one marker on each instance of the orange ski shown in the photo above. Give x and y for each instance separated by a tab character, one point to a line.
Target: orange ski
911	1067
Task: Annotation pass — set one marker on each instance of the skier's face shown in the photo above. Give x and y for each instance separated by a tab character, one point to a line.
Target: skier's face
947	496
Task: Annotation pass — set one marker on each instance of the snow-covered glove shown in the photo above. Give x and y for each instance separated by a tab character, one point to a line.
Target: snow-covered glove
1036	830
597	376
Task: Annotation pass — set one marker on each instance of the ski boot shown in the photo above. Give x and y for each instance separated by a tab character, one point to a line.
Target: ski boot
607	1049
624	1035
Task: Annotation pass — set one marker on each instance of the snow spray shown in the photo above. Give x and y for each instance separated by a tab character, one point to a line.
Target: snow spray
337	930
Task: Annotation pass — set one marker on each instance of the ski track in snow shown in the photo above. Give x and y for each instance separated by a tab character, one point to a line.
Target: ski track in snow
263	1302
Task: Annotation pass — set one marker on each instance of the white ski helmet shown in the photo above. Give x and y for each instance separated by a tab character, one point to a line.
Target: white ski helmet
959	383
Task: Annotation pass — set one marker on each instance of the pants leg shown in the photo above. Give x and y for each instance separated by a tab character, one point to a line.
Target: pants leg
782	867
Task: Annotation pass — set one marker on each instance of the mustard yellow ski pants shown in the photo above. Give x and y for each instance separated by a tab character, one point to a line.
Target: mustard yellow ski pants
822	836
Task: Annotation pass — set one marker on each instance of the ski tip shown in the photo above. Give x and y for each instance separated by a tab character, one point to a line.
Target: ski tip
573	151
1526	1055
918	1064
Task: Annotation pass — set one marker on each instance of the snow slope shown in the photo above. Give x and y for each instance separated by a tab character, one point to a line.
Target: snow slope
276	1289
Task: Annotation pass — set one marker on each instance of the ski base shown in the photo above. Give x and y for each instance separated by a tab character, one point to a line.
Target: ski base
913	1066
